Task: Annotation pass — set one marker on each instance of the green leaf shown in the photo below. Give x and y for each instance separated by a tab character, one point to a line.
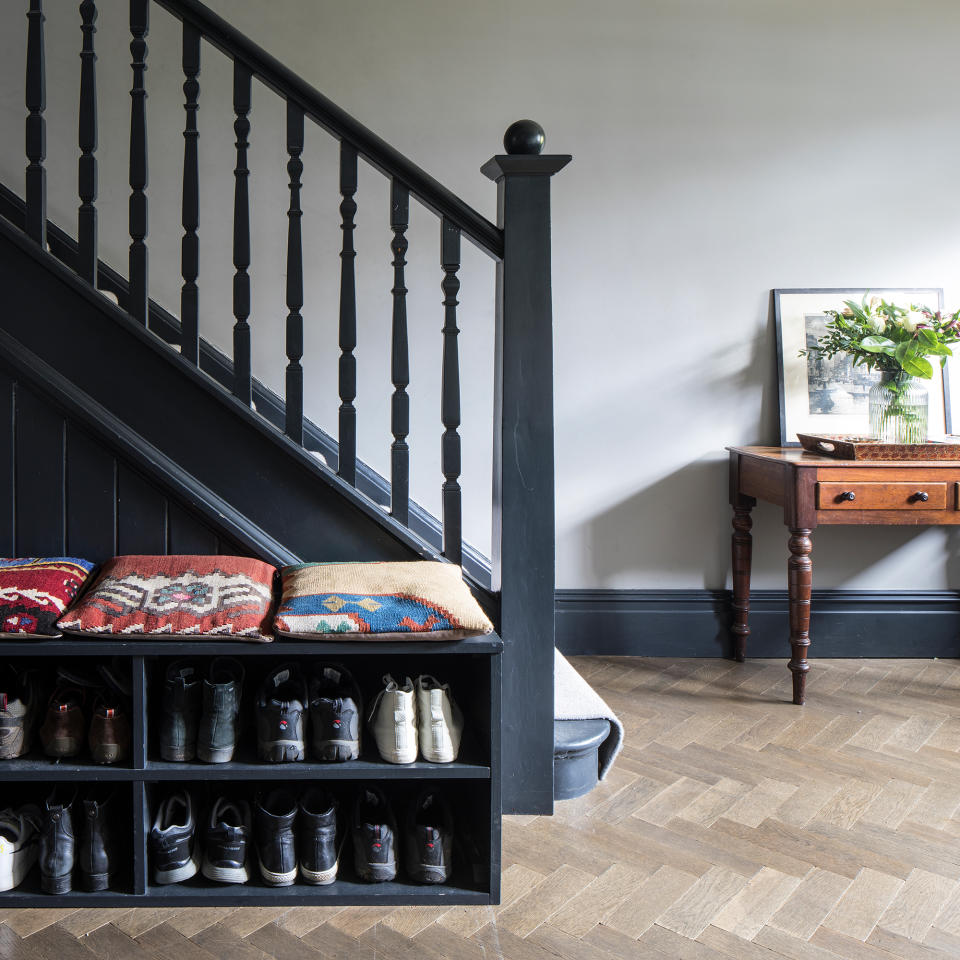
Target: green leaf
928	337
856	311
876	344
903	349
917	367
939	349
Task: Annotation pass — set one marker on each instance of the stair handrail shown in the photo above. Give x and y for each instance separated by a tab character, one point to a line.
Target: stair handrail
283	81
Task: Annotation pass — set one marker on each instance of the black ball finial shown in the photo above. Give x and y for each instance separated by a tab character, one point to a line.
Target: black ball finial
524	136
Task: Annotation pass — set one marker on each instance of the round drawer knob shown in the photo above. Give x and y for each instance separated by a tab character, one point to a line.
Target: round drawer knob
921	496
847	495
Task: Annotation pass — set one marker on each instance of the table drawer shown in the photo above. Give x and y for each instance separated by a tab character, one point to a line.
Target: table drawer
857	495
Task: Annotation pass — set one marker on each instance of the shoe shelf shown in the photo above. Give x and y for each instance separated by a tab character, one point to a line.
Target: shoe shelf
472	667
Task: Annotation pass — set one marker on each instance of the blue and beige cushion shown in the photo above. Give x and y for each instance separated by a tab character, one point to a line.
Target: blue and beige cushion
424	600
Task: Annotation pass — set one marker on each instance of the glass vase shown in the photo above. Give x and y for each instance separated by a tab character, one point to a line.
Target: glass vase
898	409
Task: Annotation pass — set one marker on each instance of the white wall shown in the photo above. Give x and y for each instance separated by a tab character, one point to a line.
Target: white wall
721	148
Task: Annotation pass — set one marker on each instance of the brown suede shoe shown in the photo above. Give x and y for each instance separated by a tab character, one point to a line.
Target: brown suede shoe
109	734
63	729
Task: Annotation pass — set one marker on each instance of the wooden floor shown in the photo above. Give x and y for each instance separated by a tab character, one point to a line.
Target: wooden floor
734	825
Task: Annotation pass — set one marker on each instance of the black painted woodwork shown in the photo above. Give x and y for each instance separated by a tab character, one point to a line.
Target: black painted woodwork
524	137
87	139
399	357
241	236
294	393
138	297
190	215
347	435
36	130
450	394
523	474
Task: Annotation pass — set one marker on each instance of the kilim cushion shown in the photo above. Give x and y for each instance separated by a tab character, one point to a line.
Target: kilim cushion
221	597
421	600
35	591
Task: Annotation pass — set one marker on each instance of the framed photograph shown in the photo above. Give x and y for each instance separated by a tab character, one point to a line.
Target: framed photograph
821	395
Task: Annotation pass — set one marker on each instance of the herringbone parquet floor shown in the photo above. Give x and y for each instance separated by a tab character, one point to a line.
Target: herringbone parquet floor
733	826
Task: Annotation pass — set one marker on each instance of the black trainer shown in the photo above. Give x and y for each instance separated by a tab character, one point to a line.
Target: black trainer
276	845
217	734
428	840
227	840
318	848
173	840
374	837
180	713
281	705
335	712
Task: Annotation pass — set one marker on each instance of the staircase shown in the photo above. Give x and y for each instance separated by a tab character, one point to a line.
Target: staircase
127	431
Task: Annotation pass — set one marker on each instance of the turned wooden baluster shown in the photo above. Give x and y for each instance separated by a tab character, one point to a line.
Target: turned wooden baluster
138	298
242	384
36	130
294	401
799	581
87	138
742	547
347	467
450	394
399	358
190	245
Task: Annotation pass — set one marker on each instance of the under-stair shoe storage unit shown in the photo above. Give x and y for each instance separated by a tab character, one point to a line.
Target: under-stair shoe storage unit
149	830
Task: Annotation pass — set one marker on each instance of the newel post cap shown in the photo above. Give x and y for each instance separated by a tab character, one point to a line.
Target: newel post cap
523	142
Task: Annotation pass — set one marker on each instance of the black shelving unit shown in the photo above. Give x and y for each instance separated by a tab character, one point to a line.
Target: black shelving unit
472	784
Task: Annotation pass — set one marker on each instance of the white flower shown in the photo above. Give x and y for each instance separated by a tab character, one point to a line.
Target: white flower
877	322
912	320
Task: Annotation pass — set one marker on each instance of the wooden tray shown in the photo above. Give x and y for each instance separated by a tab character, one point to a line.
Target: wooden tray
866	448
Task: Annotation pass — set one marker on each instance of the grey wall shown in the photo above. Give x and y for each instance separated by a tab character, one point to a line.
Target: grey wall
720	149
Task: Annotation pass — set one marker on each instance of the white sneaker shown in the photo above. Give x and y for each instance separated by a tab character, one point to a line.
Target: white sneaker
440	719
19	844
393	721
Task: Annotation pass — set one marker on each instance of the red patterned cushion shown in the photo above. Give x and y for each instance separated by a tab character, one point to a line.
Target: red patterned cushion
35	591
222	597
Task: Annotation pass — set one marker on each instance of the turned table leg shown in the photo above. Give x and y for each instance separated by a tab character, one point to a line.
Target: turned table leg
799	580
742	550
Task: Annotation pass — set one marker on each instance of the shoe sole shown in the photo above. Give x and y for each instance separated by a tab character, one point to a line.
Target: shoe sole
14	868
377	872
14	746
281	751
337	751
319	877
177	754
92	882
209	755
178	874
225	874
62	747
433	756
56	884
107	753
392	756
272	879
426	873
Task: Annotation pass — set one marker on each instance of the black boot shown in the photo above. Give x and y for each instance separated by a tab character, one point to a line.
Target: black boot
56	842
276	846
97	851
181	711
317	847
217	735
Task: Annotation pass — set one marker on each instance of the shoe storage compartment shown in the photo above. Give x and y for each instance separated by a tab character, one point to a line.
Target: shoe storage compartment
470	785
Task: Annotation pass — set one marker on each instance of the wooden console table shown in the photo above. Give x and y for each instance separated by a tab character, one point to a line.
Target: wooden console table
814	489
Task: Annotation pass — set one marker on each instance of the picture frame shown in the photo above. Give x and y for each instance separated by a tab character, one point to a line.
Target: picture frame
821	396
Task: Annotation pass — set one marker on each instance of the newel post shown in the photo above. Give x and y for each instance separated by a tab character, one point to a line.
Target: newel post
523	471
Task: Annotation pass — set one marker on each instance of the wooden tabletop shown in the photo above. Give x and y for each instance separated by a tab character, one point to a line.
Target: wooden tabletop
797	455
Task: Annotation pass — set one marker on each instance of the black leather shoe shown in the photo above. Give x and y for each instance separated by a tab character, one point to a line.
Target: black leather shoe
275	838
428	840
227	841
374	837
173	840
180	712
335	712
97	850
217	735
56	842
317	846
